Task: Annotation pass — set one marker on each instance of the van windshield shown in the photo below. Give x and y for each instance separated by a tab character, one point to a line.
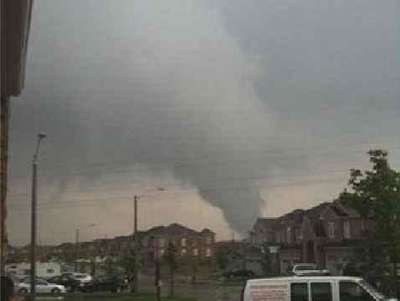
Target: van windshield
372	290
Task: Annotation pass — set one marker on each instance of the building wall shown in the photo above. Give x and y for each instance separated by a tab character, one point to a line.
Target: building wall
15	18
263	232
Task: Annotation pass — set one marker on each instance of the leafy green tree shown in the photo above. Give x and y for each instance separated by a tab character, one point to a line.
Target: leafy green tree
222	259
225	256
171	258
375	194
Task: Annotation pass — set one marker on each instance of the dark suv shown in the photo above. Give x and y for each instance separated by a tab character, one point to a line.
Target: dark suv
112	284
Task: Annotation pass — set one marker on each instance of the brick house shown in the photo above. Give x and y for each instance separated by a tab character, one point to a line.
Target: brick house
326	234
188	242
263	231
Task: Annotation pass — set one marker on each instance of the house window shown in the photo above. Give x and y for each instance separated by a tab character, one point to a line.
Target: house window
208	240
162	251
196	252
208	252
161	242
331	230
183	242
346	230
300	235
183	252
288	235
362	226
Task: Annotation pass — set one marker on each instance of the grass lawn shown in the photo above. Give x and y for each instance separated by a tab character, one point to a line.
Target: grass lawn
109	297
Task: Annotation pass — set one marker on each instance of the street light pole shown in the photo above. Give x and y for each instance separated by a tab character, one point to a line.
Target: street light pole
33	216
136	240
136	244
76	249
77	235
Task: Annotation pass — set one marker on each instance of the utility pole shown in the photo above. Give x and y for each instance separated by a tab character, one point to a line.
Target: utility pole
76	249
33	217
136	243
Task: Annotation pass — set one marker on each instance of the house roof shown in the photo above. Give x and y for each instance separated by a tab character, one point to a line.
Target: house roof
265	222
346	209
295	216
172	229
314	213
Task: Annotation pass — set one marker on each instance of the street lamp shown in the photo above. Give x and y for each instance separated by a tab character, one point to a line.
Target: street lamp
40	137
77	244
136	236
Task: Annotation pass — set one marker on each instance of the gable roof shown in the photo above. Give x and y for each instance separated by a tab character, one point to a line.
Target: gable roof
315	213
172	229
265	222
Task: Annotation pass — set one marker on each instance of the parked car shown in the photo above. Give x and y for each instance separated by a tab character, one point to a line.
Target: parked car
72	281
81	277
106	283
67	281
308	269
334	288
42	287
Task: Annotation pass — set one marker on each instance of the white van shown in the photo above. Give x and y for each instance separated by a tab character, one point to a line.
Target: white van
321	288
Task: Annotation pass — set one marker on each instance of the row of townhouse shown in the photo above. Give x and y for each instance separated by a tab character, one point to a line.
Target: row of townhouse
327	234
187	242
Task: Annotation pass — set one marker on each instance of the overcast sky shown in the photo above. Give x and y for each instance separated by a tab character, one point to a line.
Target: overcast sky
237	109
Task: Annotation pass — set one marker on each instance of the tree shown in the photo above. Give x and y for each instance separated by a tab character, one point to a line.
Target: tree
266	261
170	258
226	256
129	264
222	258
375	194
194	266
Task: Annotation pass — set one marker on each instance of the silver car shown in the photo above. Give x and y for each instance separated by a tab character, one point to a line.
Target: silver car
42	287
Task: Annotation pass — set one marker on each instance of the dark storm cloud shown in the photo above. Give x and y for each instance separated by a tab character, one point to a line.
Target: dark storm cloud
213	92
159	84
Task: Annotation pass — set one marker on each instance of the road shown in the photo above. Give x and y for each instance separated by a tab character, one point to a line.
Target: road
202	292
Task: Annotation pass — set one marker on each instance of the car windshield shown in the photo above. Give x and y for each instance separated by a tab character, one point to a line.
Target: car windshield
372	290
80	276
